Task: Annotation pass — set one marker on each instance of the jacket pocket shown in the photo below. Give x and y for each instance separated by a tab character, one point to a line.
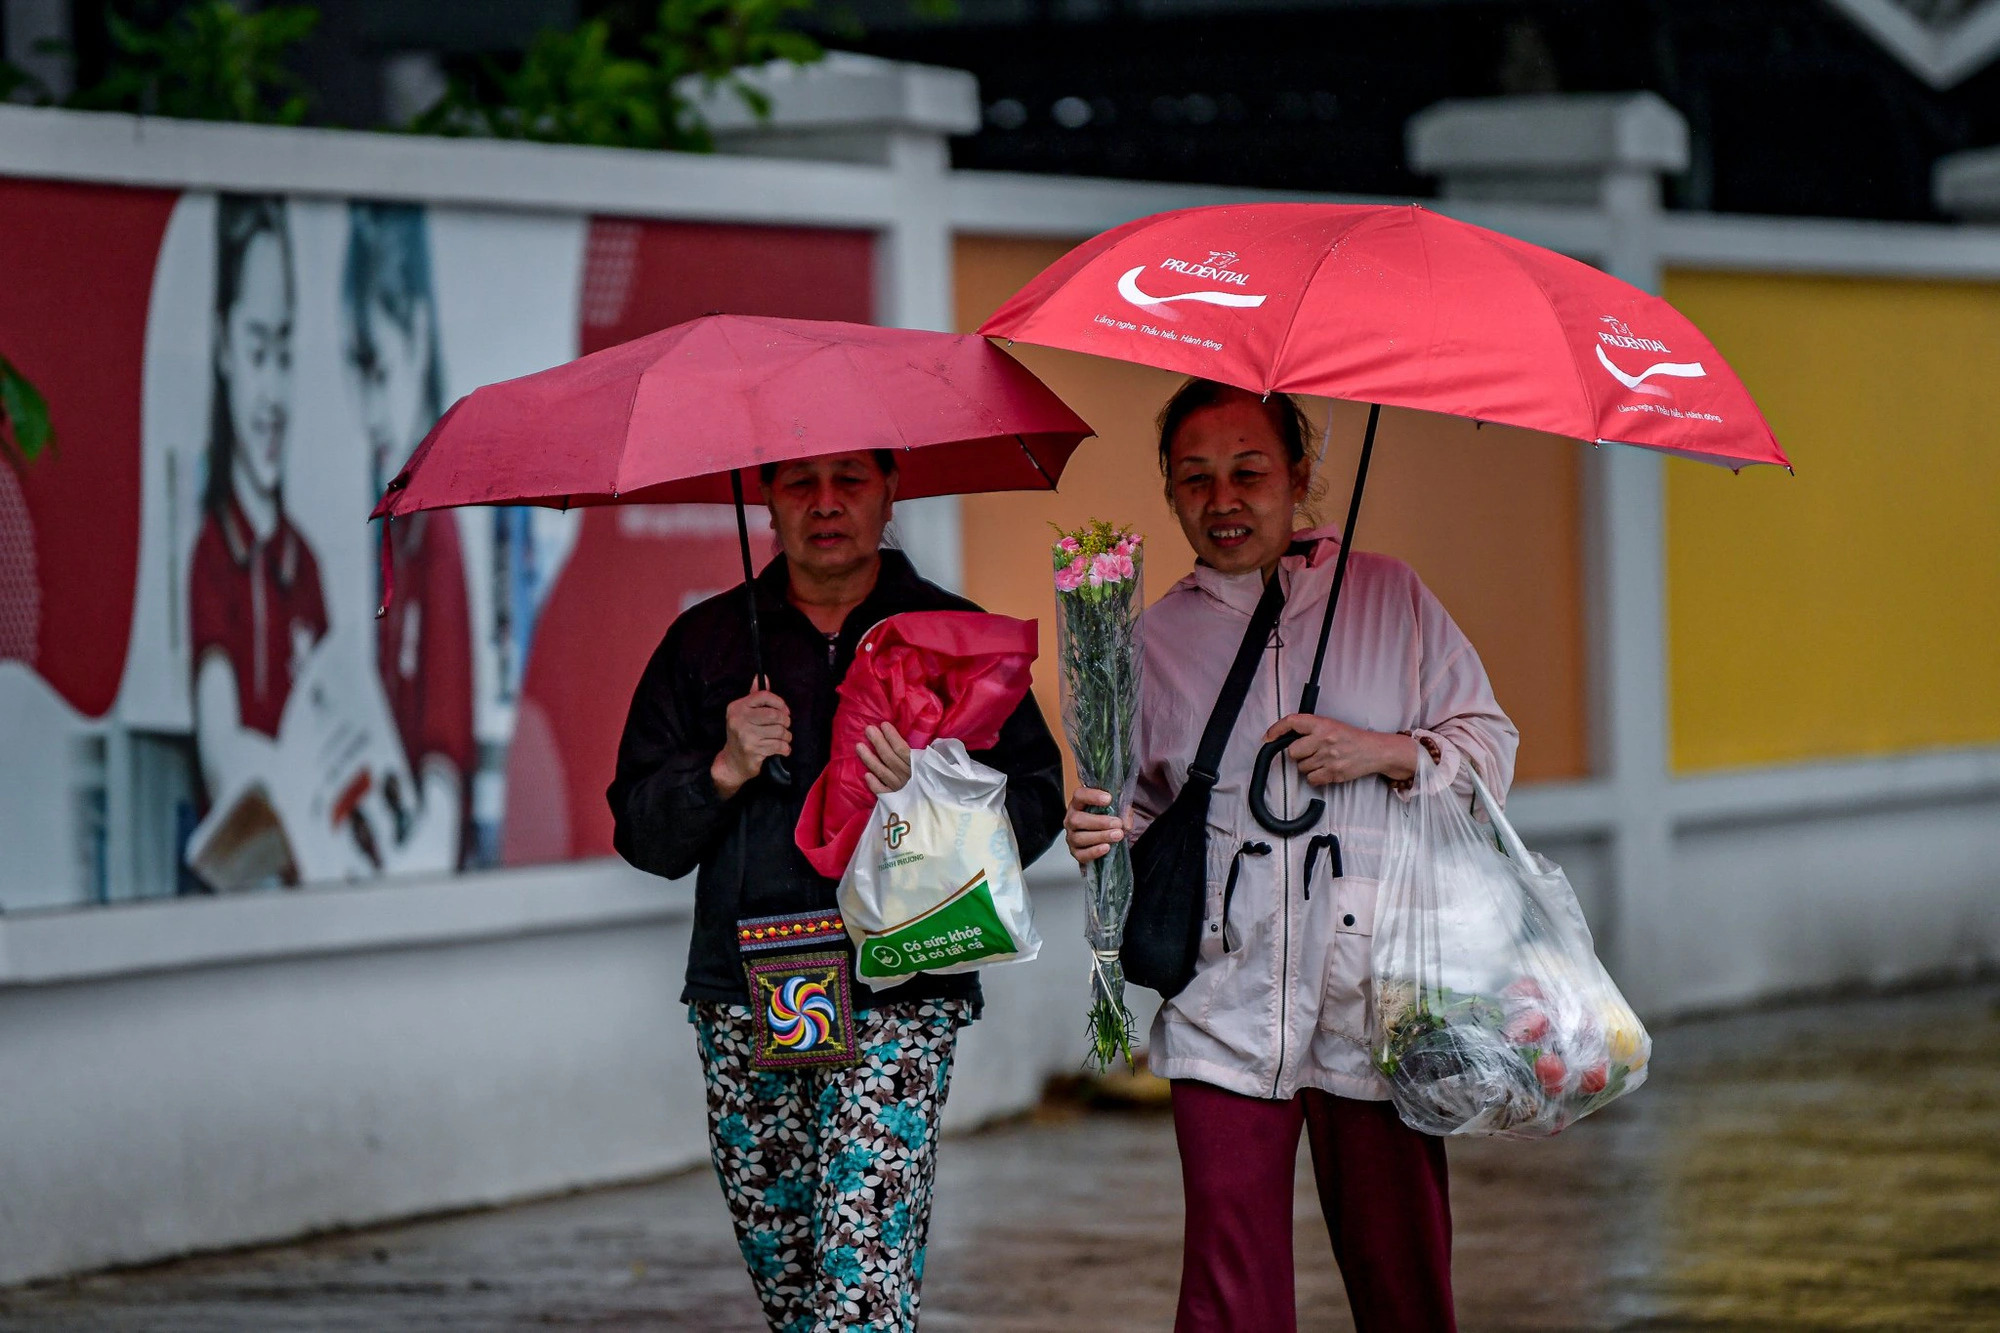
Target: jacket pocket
1354	905
1212	926
1211	962
1344	1007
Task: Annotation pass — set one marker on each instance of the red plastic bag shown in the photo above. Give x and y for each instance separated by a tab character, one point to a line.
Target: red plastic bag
930	674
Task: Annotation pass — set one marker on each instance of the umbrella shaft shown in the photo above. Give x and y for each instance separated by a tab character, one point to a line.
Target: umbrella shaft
1309	697
775	767
749	579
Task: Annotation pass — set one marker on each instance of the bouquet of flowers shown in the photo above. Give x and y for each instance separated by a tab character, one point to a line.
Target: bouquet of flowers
1492	1013
1098	600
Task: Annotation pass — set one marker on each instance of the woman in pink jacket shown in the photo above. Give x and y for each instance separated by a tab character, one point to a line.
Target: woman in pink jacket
1271	1036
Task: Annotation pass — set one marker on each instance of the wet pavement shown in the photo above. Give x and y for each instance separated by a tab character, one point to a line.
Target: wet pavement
1833	1167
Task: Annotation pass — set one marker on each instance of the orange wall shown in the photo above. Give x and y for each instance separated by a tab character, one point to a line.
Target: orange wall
1488	517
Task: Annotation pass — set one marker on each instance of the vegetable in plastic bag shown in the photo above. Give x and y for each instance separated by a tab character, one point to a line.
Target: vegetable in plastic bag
1493	1015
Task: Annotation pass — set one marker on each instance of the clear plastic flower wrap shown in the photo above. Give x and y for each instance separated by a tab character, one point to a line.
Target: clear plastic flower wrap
1099	594
1493	1015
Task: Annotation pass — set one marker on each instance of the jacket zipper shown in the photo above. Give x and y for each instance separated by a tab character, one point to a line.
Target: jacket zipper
1284	860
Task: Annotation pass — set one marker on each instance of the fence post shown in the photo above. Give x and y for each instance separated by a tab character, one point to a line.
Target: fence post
1966	185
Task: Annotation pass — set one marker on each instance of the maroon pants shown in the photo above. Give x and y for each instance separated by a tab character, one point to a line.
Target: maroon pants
1382	1188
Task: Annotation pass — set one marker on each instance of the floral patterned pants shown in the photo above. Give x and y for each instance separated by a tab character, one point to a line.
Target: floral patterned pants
828	1171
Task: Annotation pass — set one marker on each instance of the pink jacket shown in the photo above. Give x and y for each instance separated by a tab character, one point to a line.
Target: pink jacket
1285	1005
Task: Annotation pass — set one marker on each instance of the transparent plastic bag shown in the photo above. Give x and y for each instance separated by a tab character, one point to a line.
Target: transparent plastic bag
1100	591
1492	1014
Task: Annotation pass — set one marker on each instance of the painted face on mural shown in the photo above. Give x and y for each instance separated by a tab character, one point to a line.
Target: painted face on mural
829	512
254	353
387	361
1231	486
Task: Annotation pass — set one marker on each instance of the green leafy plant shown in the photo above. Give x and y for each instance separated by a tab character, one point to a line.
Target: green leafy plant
209	61
18	85
573	87
24	416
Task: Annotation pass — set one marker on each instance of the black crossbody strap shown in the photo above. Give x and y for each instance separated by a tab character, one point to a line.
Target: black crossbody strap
1236	687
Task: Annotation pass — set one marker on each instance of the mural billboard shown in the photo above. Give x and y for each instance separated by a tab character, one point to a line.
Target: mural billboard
197	692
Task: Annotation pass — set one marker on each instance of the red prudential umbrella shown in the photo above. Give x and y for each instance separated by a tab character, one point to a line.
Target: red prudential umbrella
678	416
1398	306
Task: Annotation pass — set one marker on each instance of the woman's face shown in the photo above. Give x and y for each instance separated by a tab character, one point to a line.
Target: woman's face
1231	486
387	365
829	512
254	353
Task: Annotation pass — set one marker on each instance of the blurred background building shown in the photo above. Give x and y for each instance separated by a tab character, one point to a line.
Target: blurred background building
309	918
1834	108
1830	109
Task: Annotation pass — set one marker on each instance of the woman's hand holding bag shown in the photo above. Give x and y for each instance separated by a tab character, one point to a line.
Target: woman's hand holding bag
935	885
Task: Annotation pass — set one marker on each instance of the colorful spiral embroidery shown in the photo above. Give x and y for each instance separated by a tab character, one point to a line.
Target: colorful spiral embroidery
801	1014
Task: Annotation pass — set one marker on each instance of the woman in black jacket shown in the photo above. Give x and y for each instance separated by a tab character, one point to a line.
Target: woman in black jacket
827	1166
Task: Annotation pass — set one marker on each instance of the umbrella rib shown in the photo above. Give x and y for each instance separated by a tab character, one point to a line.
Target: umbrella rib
1298	308
631	407
888	417
1549	309
1036	462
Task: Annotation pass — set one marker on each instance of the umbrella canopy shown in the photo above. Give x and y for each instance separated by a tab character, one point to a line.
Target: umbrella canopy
1391	305
1397	306
668	418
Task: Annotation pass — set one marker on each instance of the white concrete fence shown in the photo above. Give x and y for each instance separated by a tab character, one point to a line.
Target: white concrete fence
186	1074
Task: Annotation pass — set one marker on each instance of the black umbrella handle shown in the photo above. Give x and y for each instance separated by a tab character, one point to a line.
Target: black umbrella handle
1260	802
775	768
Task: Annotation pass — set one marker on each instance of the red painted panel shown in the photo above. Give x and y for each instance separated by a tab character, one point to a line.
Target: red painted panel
633	571
79	276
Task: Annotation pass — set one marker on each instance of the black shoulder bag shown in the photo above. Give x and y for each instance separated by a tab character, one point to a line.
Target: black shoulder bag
1170	859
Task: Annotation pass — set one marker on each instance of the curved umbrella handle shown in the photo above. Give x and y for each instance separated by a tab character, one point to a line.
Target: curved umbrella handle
1260	805
777	771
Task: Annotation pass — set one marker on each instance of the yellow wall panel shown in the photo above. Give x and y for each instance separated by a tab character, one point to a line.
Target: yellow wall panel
1853	609
1488	517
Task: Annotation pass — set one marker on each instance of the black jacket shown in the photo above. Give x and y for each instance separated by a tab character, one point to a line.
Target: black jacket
671	820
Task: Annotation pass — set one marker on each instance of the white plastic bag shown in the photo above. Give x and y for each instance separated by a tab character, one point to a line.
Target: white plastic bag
1493	1015
935	883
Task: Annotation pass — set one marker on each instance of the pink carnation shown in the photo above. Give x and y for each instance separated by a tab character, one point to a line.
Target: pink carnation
1070	577
1068	546
1128	545
1109	568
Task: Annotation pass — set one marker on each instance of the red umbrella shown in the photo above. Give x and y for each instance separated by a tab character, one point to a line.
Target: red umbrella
673	417
679	415
1397	306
